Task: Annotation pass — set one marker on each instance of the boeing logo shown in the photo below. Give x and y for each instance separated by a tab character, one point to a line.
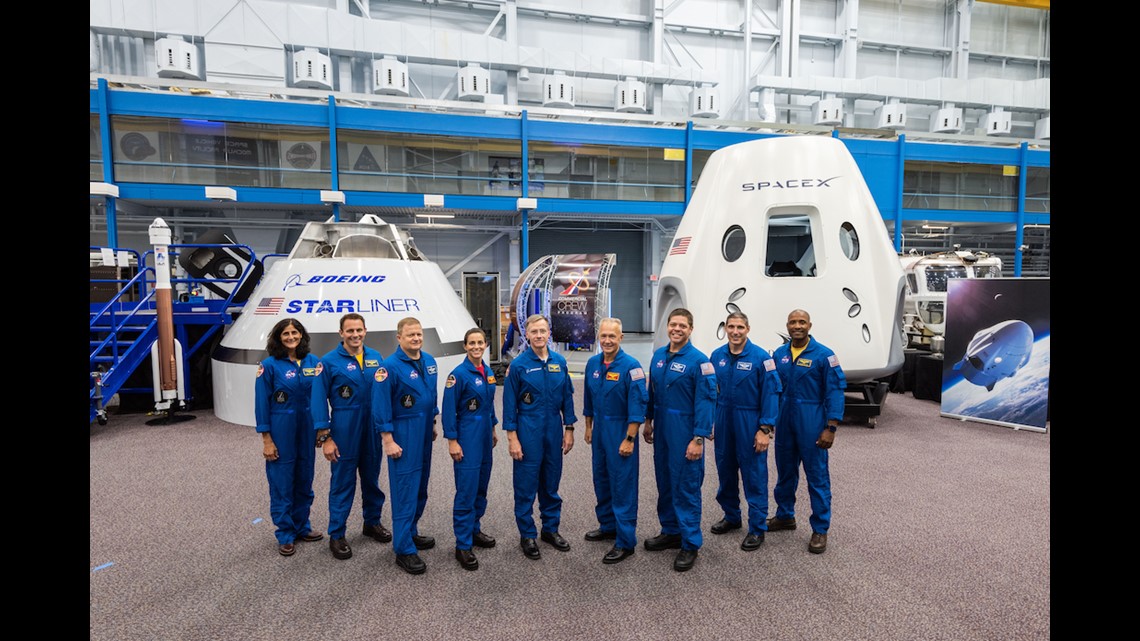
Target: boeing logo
295	280
793	183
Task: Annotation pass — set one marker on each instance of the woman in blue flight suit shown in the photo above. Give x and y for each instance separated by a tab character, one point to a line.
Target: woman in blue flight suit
281	407
469	422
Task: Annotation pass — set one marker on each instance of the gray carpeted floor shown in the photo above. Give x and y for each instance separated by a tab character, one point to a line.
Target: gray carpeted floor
940	530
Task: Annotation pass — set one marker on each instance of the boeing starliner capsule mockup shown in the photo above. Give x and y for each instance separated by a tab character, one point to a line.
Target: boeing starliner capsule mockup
996	352
788	223
369	267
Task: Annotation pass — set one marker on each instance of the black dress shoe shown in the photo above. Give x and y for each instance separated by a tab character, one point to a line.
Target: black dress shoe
617	555
467	559
556	540
530	548
411	563
752	541
340	548
378	532
482	540
312	536
685	560
724	525
601	535
423	542
663	542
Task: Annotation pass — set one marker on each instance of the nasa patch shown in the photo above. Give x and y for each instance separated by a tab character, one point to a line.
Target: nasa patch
450	381
351	367
381	375
833	360
722	362
636	374
613	376
769	365
707	368
290	374
413	375
260	370
785	359
597	374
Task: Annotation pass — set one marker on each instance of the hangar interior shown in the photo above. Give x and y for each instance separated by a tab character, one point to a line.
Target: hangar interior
604	112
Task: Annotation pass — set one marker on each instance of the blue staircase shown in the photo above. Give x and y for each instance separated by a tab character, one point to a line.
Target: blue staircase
124	329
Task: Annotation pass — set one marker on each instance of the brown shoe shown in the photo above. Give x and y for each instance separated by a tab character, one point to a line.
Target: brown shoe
775	524
286	549
818	543
313	535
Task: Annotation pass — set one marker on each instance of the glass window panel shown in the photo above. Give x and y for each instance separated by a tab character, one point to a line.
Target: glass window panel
964	186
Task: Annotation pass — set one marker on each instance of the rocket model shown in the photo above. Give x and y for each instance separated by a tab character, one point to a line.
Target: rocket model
166	353
786	223
369	267
996	352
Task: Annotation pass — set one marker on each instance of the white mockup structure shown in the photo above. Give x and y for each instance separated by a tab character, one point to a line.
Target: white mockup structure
369	267
788	223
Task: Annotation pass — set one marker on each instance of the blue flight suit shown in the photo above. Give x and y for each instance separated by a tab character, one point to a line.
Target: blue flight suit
281	407
538	400
813	394
345	386
682	399
748	396
405	403
469	417
615	396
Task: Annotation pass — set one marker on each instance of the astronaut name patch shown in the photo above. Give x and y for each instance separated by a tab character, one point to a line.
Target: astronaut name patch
450	381
636	374
381	375
308	371
744	365
371	362
803	362
677	367
613	376
554	367
769	365
707	368
431	369
833	360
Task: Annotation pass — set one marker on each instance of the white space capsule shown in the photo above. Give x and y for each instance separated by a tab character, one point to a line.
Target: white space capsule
369	267
996	352
788	223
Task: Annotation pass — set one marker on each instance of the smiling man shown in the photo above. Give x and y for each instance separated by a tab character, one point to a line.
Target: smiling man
679	417
747	402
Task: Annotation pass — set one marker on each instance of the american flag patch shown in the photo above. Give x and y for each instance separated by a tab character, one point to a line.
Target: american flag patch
269	306
833	360
707	368
636	374
680	246
769	365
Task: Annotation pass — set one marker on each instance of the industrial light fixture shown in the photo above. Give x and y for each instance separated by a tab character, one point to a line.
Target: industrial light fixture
435	215
433	200
221	193
526	203
936	227
332	197
104	189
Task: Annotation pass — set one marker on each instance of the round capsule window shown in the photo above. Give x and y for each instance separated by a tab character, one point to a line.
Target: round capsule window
849	241
732	246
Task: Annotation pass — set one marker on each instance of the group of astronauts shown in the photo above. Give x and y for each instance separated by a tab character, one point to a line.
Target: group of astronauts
364	408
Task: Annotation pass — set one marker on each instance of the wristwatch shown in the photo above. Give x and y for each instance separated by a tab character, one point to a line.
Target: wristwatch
631	439
767	430
323	437
831	428
568	428
698	440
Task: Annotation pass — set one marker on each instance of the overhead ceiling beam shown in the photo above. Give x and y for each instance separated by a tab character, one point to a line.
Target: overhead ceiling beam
1028	4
